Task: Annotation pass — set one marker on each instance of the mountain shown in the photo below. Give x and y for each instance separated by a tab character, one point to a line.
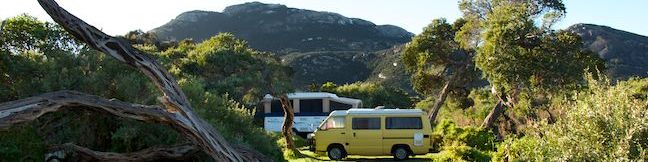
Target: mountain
325	46
280	29
625	53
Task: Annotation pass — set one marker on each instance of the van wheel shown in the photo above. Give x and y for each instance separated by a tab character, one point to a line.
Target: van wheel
336	153
400	153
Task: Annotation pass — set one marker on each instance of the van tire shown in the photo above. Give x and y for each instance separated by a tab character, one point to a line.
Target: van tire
336	152
401	152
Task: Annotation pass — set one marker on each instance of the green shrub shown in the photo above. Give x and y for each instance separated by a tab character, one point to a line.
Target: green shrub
465	111
522	149
133	136
371	94
233	120
462	143
602	123
22	143
297	141
461	153
470	136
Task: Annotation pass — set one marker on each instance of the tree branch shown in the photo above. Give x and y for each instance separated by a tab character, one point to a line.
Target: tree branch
29	109
175	101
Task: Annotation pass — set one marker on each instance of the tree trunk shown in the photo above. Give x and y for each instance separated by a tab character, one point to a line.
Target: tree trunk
434	111
289	119
498	110
175	101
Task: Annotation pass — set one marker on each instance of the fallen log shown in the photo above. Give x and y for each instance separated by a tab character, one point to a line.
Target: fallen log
174	100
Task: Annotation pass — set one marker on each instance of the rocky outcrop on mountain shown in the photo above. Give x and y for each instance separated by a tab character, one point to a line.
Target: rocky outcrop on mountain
625	53
280	29
329	66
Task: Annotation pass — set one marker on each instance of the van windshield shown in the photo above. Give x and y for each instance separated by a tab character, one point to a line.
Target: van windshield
335	122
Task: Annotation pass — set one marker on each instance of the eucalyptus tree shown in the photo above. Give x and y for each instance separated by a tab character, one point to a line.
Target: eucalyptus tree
438	62
516	54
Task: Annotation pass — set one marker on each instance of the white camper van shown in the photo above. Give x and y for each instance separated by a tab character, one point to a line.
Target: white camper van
310	108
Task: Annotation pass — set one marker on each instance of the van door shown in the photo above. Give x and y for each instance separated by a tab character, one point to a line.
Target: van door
365	137
405	130
332	131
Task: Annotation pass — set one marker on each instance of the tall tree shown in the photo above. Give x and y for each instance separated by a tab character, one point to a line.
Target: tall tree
516	55
438	63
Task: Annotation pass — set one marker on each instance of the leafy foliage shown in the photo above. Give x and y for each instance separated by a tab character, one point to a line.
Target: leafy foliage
233	120
22	143
371	94
227	65
464	111
602	123
517	54
463	143
434	56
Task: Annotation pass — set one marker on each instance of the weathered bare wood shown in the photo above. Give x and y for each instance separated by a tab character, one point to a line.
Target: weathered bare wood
179	152
29	109
174	99
289	119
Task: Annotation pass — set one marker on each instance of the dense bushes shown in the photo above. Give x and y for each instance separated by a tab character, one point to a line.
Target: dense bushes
22	143
225	64
463	111
371	94
233	120
604	122
462	143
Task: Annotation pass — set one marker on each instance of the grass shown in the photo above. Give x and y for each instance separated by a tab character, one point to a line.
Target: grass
310	156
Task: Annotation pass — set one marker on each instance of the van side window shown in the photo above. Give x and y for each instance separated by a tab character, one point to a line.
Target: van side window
365	123
333	123
404	123
310	105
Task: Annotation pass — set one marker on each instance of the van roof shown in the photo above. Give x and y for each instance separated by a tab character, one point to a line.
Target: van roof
315	95
372	111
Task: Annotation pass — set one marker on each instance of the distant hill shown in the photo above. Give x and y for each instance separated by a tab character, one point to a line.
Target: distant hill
280	29
625	53
325	46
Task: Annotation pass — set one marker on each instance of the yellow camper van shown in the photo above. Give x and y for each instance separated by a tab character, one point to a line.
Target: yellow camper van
397	132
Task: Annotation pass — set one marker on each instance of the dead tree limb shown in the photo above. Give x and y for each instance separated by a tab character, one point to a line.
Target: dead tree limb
179	152
289	119
175	101
29	109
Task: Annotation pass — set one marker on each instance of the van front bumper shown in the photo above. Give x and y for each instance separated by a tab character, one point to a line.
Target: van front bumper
311	143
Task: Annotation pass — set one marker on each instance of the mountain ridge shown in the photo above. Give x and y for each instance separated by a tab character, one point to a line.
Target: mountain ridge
625	53
325	46
281	29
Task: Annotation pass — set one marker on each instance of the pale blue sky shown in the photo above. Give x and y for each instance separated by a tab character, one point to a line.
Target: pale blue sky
413	15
